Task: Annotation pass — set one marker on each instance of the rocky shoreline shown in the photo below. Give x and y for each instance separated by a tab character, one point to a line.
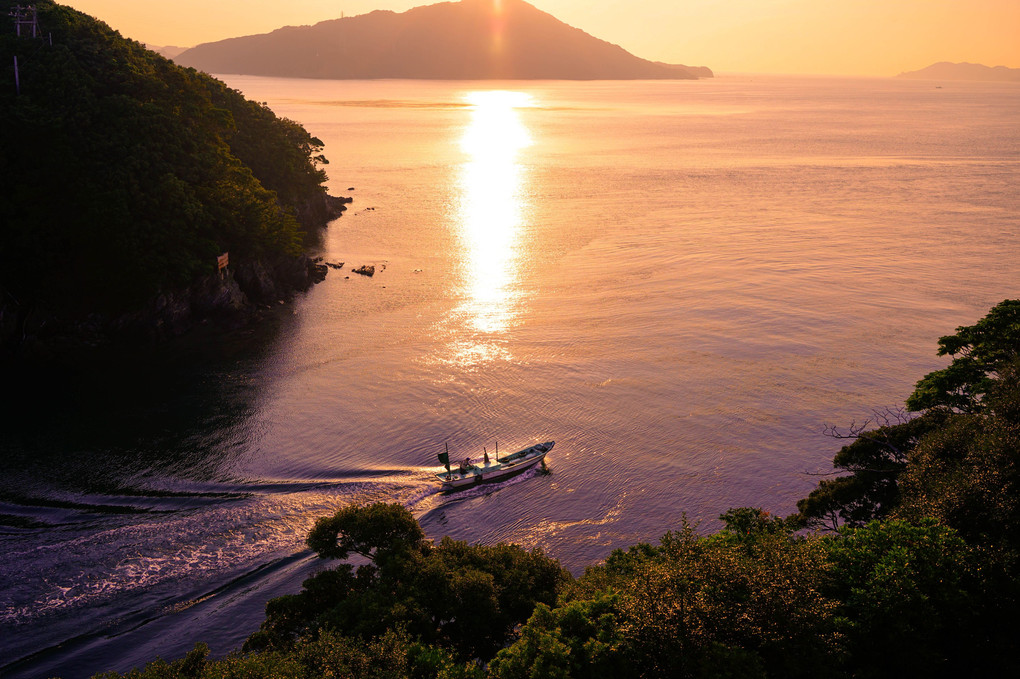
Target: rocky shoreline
231	299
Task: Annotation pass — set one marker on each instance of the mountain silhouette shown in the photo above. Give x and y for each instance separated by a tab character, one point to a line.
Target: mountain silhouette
945	70
467	40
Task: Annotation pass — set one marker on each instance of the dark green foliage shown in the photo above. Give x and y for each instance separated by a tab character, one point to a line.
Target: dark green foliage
747	523
581	639
277	150
908	600
743	603
986	356
844	499
967	474
874	462
377	532
980	351
125	174
937	595
466	597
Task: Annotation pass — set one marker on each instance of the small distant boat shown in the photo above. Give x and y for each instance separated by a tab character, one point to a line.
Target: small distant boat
470	473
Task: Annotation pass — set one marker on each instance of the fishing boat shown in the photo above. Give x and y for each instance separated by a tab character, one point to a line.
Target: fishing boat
469	473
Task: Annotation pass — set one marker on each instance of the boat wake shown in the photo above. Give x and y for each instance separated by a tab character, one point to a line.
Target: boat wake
162	559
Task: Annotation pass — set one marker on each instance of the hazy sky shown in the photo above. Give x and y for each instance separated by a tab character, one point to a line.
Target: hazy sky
865	37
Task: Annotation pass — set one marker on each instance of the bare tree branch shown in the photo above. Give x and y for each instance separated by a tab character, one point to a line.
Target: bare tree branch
882	420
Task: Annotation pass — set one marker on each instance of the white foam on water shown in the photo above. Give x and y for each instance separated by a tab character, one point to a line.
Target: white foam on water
194	546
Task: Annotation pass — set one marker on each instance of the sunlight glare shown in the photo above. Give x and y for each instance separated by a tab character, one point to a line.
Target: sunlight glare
491	213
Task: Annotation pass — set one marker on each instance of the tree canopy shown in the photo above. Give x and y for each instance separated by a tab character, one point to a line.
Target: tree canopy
873	462
956	460
980	352
125	175
375	532
754	600
467	597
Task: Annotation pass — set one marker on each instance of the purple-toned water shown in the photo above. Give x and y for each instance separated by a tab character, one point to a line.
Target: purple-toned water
680	283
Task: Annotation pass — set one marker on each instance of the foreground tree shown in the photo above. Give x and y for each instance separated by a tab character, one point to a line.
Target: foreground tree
907	600
582	639
980	352
745	602
376	532
967	474
985	363
872	463
466	597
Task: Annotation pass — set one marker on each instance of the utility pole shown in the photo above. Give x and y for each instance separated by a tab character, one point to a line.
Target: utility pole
27	17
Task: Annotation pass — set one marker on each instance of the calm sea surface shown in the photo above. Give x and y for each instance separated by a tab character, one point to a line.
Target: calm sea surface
680	283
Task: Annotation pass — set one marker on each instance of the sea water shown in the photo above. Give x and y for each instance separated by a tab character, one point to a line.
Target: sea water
681	283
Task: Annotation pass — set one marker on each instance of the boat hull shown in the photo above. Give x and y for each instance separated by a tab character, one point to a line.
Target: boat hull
492	472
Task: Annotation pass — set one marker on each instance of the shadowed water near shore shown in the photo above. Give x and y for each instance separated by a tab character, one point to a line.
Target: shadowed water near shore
679	283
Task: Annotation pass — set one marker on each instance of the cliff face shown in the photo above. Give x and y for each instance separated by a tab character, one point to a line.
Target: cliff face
232	298
467	40
36	329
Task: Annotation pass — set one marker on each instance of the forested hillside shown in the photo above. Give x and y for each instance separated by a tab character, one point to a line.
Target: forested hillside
126	176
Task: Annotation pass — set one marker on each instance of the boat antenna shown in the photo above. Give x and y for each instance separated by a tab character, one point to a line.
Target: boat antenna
486	453
445	459
497	451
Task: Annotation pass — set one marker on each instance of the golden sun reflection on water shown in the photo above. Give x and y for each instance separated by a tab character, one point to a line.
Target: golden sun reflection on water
491	215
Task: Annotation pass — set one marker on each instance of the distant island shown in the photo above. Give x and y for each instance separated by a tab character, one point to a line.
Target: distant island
467	40
945	70
168	51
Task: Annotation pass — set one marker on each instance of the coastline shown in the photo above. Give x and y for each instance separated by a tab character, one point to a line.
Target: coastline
39	332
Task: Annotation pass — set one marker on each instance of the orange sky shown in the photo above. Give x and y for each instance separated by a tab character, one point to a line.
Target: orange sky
849	37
